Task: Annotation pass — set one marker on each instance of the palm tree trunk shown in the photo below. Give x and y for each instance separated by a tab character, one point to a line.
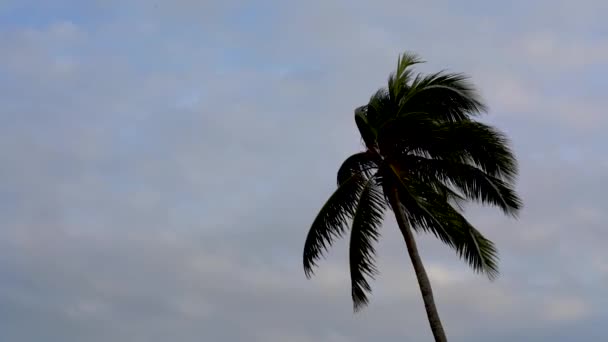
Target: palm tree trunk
423	279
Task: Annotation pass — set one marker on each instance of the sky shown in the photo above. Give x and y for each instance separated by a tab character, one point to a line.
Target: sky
162	161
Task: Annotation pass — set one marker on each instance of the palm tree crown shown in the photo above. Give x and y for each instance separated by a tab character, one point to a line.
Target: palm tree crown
425	146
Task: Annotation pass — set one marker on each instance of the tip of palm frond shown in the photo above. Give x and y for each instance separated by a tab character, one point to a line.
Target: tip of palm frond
512	213
309	263
360	300
492	276
512	205
308	272
359	307
491	273
406	59
404	62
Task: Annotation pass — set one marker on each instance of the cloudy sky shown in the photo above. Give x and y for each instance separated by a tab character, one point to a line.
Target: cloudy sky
161	163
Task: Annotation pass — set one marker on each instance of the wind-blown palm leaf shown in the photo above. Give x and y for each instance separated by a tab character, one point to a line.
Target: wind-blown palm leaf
479	252
469	243
406	133
365	232
467	142
480	143
362	162
444	96
368	133
428	211
410	170
379	109
332	219
472	182
398	82
417	213
371	116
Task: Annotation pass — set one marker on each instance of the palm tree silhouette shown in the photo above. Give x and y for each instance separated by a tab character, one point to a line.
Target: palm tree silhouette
425	155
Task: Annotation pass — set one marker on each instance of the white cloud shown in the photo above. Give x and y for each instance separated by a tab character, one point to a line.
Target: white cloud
566	309
443	276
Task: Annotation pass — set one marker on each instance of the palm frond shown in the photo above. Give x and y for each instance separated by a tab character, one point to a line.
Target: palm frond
452	197
331	221
404	63
429	211
467	142
398	82
413	201
482	144
365	232
472	182
372	115
380	107
477	251
366	129
480	253
400	134
444	96
362	162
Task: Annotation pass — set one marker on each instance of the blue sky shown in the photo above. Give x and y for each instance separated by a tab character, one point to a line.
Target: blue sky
162	162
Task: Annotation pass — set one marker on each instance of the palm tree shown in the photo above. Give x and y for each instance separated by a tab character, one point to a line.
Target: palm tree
425	155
